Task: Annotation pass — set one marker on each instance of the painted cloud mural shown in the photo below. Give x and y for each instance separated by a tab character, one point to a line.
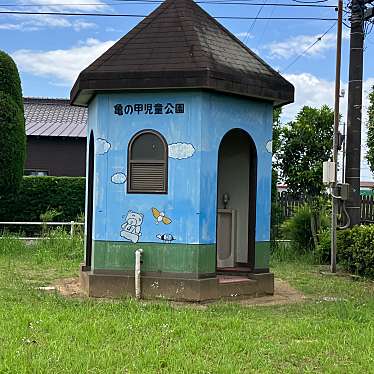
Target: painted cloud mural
102	146
181	151
269	146
118	178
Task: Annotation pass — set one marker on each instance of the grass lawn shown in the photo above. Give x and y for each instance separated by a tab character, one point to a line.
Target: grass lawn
331	332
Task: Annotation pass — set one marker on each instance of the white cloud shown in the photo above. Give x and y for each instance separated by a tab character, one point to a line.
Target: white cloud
63	5
82	25
244	35
11	26
118	178
37	22
180	151
60	5
61	64
102	146
296	44
313	91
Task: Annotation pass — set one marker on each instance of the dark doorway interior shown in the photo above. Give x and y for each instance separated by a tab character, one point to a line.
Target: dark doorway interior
90	196
236	202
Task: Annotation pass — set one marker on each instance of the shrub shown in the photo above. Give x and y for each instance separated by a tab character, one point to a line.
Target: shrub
355	249
10	83
12	145
298	229
323	249
39	196
12	128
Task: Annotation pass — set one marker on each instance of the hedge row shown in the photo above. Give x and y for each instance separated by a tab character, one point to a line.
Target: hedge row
355	246
39	194
355	249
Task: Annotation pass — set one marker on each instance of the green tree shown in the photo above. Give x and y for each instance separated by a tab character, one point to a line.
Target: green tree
305	143
12	127
277	130
370	127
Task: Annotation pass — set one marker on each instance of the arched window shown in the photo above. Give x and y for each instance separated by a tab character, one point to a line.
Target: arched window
147	169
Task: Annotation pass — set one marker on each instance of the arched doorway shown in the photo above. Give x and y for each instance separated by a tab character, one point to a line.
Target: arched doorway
236	201
90	197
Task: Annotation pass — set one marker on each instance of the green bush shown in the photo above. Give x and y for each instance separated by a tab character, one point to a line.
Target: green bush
298	229
10	83
355	249
12	128
12	145
323	250
39	195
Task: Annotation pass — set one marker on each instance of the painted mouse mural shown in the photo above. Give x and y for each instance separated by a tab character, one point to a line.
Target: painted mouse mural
131	229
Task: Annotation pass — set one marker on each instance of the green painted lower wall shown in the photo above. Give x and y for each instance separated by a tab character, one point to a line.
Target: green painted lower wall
262	256
171	258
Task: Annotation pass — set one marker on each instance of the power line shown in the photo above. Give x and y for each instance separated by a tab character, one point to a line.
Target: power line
308	48
265	28
144	15
254	22
159	2
310	2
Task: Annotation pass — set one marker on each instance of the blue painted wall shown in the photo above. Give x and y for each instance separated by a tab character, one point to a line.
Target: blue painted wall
191	200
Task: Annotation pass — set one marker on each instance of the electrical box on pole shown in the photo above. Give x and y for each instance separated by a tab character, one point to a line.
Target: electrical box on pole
328	176
343	191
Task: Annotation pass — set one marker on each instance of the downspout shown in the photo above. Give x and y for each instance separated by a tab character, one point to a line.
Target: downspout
138	256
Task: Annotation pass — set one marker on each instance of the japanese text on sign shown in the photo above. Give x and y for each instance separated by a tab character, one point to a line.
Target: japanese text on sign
129	109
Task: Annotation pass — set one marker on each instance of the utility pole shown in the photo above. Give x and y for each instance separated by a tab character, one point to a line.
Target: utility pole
353	141
336	134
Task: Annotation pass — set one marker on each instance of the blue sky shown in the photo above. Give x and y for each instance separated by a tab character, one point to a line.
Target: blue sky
51	50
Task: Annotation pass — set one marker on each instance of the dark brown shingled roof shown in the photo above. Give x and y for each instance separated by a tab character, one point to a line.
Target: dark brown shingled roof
54	117
179	45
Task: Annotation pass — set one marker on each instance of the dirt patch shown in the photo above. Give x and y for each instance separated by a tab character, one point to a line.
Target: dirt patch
283	294
69	287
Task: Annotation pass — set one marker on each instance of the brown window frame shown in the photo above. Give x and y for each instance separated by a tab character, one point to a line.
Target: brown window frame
164	162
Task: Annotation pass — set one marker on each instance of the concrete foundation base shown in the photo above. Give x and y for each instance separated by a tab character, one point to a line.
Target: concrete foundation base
179	289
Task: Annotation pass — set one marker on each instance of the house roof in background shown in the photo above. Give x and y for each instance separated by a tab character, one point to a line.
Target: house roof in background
179	45
54	117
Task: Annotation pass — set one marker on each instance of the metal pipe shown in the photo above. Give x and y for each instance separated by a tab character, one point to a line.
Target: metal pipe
42	223
138	256
71	228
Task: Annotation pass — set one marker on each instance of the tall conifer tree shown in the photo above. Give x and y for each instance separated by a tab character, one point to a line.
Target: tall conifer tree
12	127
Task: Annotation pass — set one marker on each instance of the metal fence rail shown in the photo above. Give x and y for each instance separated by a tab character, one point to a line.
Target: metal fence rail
288	206
367	209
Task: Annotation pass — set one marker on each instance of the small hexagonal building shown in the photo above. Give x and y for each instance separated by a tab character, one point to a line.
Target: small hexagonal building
179	160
